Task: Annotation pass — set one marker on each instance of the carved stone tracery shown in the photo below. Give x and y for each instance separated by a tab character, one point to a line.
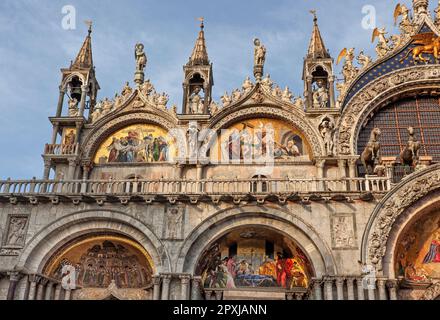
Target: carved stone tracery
391	207
367	100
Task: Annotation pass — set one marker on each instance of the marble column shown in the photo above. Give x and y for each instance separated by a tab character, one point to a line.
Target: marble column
340	288
71	171
58	291
371	293
381	285
184	286
14	277
40	290
320	164
67	294
60	102
47	166
360	289
352	167
317	289
33	279
328	289
350	288
49	291
331	89
56	128
392	289
195	288
166	281
82	103
156	287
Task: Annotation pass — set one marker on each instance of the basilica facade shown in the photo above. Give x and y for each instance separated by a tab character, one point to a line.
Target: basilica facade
334	195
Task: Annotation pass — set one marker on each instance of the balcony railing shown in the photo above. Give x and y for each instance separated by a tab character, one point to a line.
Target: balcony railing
61	149
206	187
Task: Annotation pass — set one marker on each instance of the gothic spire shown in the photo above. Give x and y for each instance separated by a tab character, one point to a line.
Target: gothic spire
199	55
84	59
317	48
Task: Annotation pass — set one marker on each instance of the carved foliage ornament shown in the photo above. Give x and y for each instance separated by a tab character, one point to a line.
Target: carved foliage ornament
393	207
364	102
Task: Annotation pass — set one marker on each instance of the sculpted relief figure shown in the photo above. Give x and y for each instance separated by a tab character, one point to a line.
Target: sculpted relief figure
141	57
146	88
127	90
364	60
406	26
327	130
247	85
349	71
287	95
320	95
226	100
16	234
382	48
73	108
213	108
267	82
174	223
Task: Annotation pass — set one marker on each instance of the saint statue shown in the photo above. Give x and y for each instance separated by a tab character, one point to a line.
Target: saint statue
196	102
73	108
141	57
320	96
260	53
326	130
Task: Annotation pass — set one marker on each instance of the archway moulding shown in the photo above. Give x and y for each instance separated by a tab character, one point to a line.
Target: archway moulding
50	239
276	219
98	135
293	117
375	94
382	221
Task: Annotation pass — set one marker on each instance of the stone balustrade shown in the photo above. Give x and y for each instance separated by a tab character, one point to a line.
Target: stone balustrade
238	189
206	187
61	149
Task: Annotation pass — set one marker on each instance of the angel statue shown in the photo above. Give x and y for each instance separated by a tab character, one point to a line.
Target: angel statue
406	26
348	70
364	60
141	57
382	47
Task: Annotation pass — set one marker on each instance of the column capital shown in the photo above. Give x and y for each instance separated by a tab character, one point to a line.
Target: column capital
35	278
185	278
340	280
156	280
166	277
15	275
392	284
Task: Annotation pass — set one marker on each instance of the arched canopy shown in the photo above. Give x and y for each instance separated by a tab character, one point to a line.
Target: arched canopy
279	221
377	94
50	240
411	198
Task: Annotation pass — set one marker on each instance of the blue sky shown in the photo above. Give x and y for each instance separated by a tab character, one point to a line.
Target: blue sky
34	46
